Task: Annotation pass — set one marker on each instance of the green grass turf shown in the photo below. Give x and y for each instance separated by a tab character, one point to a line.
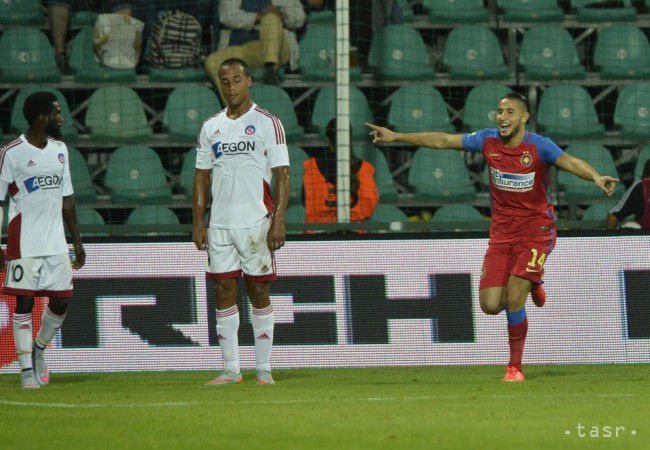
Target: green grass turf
375	408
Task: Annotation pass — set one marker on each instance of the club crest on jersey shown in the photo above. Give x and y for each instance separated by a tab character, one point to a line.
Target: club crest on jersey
250	130
526	159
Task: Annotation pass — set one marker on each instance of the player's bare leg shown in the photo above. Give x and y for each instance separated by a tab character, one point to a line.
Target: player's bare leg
263	326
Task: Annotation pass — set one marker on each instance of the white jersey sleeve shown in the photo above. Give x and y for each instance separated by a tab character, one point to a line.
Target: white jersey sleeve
276	146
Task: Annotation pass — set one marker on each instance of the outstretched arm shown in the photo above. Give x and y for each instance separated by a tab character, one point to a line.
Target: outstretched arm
381	135
584	170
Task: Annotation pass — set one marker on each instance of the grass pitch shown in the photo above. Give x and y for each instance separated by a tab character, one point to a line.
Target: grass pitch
558	407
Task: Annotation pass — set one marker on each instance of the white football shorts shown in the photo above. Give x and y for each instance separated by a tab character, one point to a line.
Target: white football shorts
46	276
232	252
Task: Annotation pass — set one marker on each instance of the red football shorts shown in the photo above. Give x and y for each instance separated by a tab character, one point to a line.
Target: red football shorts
524	258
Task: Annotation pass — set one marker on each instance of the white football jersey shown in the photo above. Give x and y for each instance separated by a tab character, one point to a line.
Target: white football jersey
241	154
37	180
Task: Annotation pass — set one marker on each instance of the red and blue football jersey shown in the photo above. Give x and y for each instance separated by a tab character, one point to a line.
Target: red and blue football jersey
519	180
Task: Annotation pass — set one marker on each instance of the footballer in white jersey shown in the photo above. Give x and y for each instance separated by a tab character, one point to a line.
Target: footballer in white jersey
35	172
239	149
241	154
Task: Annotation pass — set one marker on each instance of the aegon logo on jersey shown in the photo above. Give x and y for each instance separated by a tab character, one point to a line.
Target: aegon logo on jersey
43	182
233	148
518	182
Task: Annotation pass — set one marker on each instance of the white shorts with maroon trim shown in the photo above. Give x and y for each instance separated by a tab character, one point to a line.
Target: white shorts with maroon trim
233	252
42	276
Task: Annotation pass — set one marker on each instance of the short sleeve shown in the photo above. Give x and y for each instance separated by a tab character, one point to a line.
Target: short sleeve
6	176
473	142
275	144
204	151
67	178
548	150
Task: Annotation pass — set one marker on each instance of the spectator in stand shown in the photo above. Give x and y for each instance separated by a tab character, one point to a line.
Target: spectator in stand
59	19
319	190
260	32
636	201
203	10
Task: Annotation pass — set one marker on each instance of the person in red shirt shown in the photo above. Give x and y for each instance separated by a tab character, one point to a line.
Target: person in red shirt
523	232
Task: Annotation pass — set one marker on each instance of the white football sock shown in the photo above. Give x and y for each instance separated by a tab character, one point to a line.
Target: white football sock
22	326
50	324
263	331
227	329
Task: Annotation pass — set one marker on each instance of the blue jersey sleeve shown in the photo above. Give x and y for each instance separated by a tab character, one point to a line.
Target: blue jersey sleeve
548	150
473	142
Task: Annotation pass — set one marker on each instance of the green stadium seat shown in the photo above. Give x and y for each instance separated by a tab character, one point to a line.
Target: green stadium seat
19	124
471	218
456	11
89	216
594	11
597	212
388	213
21	12
26	56
566	111
383	175
83	19
579	191
115	113
84	189
324	17
135	174
324	110
188	169
622	51
472	52
631	111
153	215
188	106
531	10
548	53
85	66
317	57
398	52
480	106
295	216
86	215
277	101
417	108
440	176
644	155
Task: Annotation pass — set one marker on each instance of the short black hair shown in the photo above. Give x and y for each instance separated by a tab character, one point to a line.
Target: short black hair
330	131
238	62
516	96
38	104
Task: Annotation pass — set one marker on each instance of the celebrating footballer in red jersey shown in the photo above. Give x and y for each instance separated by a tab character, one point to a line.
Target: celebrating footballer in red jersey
523	230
